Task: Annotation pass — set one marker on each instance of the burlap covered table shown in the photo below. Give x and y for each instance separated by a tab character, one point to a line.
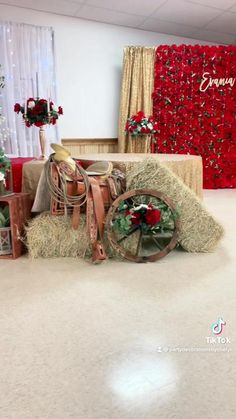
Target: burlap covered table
30	176
188	168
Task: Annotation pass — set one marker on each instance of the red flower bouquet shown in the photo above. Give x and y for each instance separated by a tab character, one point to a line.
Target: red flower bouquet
140	124
148	218
39	112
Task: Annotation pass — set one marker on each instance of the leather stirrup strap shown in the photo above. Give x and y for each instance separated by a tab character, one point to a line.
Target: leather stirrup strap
95	220
91	221
98	205
98	252
112	187
75	218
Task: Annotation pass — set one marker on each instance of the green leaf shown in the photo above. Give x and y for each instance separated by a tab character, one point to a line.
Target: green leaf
4	216
2	220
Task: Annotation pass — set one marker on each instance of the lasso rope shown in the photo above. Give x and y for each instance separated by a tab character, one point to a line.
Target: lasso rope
60	194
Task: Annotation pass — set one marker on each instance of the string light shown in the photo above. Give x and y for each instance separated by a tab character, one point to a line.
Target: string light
5	132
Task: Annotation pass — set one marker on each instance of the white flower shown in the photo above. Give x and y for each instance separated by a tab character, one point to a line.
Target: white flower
2	177
31	104
150	126
139	207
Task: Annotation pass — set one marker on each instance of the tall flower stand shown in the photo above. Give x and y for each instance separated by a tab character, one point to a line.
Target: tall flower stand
39	112
139	144
42	140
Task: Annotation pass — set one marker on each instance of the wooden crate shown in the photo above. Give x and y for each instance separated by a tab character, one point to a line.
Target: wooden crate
19	211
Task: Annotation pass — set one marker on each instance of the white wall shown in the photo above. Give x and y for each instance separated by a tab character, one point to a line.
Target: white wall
89	64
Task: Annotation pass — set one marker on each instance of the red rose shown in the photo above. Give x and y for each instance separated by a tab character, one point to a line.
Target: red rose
17	108
153	216
139	116
28	124
42	101
156	126
60	110
39	123
145	130
135	218
37	110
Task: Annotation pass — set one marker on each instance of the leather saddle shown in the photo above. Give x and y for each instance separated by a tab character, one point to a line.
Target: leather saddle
91	191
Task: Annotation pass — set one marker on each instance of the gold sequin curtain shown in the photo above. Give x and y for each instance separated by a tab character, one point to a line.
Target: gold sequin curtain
136	94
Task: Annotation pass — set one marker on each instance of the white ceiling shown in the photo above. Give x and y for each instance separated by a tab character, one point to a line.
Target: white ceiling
208	20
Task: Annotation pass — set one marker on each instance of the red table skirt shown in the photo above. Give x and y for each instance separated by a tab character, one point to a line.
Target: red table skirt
17	165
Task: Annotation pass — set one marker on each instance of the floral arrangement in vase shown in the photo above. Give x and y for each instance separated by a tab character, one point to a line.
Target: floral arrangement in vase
139	124
38	112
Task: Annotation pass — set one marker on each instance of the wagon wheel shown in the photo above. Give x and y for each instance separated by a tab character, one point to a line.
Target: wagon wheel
142	225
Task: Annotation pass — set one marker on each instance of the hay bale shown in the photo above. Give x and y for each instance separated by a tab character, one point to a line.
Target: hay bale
52	236
199	231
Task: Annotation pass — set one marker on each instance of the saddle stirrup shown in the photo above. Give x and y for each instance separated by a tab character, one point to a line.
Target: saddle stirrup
98	254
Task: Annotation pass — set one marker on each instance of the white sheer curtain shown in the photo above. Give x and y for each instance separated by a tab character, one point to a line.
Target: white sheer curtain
28	65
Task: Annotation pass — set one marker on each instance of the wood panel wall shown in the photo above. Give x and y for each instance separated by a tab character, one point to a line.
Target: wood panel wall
78	146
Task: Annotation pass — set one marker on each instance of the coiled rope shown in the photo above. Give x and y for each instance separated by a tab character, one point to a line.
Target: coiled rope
59	194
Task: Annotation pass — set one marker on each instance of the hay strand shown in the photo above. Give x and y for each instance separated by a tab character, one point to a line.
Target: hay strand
52	236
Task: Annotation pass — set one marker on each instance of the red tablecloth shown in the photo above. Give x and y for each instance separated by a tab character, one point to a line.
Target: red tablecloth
17	165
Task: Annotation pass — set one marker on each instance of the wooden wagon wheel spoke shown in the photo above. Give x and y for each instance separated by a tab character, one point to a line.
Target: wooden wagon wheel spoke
127	235
157	243
165	234
139	242
131	200
148	244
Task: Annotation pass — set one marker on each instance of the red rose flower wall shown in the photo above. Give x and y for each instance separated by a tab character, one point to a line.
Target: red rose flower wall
194	101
